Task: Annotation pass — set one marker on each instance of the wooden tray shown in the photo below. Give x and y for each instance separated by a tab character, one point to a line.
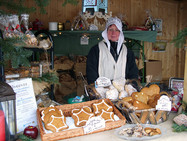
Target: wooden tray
77	131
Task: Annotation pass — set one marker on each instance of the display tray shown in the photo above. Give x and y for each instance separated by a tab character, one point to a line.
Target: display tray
77	131
125	137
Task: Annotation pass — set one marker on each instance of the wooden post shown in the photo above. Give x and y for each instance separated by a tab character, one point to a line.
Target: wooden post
185	79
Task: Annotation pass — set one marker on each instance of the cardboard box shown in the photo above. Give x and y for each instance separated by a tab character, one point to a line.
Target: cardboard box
154	68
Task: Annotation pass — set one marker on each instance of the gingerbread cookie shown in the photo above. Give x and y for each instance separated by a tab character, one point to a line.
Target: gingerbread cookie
53	119
81	116
101	104
57	123
47	110
151	90
107	116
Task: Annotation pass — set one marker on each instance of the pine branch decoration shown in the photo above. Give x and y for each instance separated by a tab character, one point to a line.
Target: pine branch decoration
13	50
73	2
15	7
180	39
42	4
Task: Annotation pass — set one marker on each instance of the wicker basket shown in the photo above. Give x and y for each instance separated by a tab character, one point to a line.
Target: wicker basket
77	131
147	116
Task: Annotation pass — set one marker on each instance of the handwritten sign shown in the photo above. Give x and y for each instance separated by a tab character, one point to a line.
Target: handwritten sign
93	124
25	103
164	103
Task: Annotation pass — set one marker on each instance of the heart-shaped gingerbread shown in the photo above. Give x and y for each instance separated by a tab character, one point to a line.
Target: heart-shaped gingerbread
151	90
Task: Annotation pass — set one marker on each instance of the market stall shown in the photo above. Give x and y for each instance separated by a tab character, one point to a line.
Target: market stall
111	108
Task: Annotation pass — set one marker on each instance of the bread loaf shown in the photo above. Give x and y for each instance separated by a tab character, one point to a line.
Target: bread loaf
140	105
140	96
151	90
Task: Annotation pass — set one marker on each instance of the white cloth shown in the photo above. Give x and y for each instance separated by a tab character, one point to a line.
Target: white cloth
118	23
108	67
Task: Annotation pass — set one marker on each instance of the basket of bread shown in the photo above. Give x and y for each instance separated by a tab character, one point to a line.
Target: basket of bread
142	107
137	103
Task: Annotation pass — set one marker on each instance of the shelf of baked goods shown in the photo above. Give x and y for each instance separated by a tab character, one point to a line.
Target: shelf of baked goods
38	63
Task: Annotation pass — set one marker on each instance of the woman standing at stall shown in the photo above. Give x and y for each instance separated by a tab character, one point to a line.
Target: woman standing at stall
110	57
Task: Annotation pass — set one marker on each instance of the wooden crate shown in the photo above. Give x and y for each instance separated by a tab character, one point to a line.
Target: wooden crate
77	131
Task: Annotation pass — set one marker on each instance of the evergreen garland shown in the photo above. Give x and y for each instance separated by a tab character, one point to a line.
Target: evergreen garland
180	39
73	2
42	4
50	77
15	7
13	50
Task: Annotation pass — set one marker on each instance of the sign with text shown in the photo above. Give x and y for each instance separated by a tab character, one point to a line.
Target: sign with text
164	103
93	124
25	103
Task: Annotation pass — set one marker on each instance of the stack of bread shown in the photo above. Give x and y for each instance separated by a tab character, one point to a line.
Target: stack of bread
141	106
145	99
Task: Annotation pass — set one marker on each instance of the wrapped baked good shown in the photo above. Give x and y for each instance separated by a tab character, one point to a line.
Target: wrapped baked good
130	89
112	94
181	120
119	84
102	91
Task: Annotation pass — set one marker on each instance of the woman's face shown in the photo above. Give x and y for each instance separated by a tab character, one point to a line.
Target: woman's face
113	33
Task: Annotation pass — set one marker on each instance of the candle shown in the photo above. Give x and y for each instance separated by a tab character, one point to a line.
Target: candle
2	126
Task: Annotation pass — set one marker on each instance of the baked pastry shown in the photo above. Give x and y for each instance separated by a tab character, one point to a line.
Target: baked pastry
53	119
119	84
107	116
153	100
81	116
56	123
140	105
48	112
140	96
112	94
101	104
151	90
128	99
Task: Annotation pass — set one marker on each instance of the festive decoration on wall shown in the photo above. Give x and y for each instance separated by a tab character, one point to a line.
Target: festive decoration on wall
98	19
80	23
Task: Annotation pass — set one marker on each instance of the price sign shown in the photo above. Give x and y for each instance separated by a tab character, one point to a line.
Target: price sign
164	103
93	124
